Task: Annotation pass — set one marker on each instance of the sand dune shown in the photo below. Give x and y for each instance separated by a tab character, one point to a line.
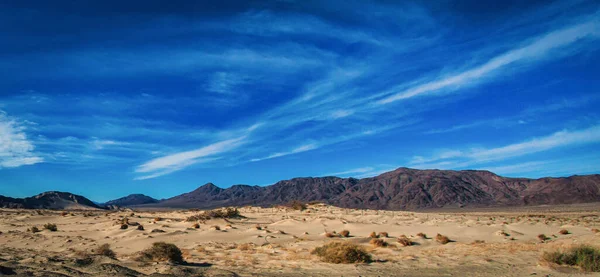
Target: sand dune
490	243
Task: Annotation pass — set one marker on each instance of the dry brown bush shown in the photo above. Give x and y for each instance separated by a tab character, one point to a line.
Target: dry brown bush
378	242
563	232
404	241
383	234
442	239
373	235
345	233
162	251
104	250
342	253
422	235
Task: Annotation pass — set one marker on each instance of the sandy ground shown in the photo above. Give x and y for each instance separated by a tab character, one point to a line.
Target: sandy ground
507	242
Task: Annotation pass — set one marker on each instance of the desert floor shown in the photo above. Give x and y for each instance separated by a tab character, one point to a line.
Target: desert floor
484	242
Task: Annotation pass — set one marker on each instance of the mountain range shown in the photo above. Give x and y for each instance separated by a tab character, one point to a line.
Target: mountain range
401	189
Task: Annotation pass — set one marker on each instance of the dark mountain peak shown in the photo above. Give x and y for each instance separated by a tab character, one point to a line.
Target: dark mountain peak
132	199
49	200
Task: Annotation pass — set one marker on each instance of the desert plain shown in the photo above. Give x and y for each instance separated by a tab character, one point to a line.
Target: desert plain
278	241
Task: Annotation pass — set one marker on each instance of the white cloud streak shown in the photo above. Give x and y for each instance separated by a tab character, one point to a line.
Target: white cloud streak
171	163
300	149
461	158
539	48
15	149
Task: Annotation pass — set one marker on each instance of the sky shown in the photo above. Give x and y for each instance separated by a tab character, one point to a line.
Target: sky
109	98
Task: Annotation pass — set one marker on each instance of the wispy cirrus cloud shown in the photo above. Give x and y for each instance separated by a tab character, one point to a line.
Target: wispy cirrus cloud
15	148
540	48
174	162
300	149
468	157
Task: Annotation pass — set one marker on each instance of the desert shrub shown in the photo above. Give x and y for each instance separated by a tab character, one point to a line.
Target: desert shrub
297	205
215	227
220	213
64	213
422	235
157	219
246	246
331	235
442	239
583	256
478	241
196	226
594	230
34	229
50	226
140	227
104	250
157	231
378	242
383	234
404	241
542	237
342	253
563	232
162	251
124	226
345	233
373	235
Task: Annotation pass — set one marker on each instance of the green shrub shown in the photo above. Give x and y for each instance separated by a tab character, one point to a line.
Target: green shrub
50	226
342	253
162	251
585	257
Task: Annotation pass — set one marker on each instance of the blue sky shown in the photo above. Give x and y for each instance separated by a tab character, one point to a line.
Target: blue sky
107	98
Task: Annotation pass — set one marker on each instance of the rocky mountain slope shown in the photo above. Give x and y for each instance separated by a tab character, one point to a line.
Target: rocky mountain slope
403	188
130	200
49	200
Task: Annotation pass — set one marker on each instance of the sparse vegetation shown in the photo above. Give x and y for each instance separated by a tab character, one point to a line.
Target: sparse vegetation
246	246
542	237
342	253
124	226
383	234
585	257
34	229
140	227
104	250
378	242
331	235
422	235
373	235
51	227
196	226
564	232
215	227
404	241
297	205
220	213
345	233
162	251
442	239
157	219
594	230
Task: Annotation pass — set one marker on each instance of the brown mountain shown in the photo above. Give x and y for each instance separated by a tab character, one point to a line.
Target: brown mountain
49	200
402	189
